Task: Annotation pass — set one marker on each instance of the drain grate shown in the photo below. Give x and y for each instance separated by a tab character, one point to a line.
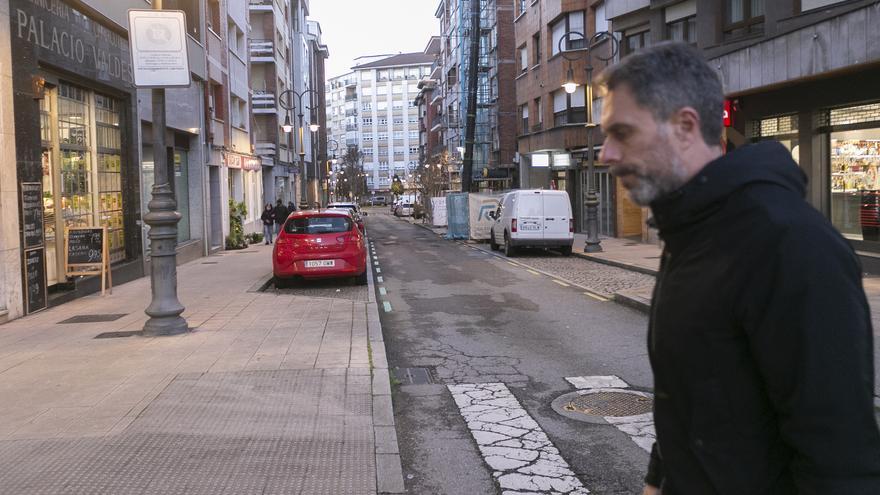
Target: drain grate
93	318
117	335
414	376
615	404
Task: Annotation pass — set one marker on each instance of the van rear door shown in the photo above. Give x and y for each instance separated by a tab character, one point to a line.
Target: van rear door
529	215
557	213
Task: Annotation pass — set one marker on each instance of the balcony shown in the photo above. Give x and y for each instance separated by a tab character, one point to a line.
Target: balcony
262	50
265	149
260	5
263	102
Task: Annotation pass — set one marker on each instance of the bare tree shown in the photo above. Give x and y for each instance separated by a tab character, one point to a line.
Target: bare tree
351	181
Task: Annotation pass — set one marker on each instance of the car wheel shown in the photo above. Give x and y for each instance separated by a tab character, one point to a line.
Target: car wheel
509	250
492	244
565	250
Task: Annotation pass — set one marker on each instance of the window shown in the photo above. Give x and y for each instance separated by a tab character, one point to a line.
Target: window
413	119
743	17
382	75
569	108
413	135
366	107
366	76
571	22
367	121
396	105
539	118
520	7
191	9
398	134
368	152
602	23
214	16
683	30
217	103
383	136
396	89
383	121
815	4
634	41
383	105
523	59
398	120
524	115
318	225
536	48
413	150
368	137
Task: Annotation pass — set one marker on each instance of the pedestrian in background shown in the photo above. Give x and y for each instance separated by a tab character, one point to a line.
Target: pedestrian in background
268	218
760	335
291	207
281	214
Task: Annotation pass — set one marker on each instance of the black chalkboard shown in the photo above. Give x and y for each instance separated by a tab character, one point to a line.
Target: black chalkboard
32	213
85	246
35	278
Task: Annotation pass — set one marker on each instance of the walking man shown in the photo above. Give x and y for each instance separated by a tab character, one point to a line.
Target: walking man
760	335
281	214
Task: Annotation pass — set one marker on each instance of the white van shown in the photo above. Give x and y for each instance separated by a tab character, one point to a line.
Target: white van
533	218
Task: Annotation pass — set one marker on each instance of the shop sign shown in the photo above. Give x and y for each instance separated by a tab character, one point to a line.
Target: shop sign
32	213
250	163
63	36
232	160
158	48
728	117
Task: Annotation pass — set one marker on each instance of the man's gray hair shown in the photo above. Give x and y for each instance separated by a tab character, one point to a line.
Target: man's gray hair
668	77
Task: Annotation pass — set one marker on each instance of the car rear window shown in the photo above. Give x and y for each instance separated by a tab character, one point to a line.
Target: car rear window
317	225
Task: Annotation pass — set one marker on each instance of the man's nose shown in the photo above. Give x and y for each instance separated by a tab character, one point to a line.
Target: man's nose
609	152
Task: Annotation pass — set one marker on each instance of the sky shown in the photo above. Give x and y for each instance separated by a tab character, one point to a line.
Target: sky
351	28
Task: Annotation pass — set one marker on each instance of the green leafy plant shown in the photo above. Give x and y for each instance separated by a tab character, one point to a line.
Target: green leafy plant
255	237
236	238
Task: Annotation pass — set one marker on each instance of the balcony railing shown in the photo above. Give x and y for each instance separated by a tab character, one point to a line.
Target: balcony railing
262	48
264	102
264	149
260	3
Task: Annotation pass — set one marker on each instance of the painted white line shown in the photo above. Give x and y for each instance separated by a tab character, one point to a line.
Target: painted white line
387	306
522	457
378	270
533	272
640	428
380	280
382	291
376	263
560	282
511	264
602	381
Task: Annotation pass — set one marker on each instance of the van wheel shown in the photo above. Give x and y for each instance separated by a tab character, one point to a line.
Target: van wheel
492	244
565	250
509	250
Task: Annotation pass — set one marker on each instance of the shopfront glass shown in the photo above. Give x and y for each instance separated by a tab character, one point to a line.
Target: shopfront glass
855	183
181	194
82	162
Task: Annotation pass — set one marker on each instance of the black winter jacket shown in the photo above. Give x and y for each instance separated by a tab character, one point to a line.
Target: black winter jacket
760	340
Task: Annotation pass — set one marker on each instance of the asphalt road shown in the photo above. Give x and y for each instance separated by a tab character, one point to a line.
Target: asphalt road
470	317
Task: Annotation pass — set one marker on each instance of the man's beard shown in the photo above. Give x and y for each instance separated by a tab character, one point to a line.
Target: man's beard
657	182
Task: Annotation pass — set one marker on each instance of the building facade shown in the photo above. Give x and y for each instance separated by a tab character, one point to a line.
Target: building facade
387	118
801	72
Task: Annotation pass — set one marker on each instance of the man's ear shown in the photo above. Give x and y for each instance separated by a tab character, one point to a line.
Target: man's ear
686	126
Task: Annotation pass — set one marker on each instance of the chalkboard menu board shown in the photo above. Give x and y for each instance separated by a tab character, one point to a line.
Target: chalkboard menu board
32	213
85	246
35	277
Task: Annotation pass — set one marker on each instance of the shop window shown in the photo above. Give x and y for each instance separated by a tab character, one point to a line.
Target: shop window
743	18
109	153
855	183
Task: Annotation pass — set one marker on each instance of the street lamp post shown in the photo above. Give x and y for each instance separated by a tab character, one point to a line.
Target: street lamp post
165	308
591	201
332	147
288	105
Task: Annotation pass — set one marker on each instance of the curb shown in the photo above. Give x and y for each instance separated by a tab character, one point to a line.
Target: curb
617	264
262	284
389	472
625	298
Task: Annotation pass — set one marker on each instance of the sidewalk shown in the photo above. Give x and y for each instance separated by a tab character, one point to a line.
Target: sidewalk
269	393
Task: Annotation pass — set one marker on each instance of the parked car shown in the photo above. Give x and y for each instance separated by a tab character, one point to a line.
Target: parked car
319	244
378	201
532	218
404	210
345	204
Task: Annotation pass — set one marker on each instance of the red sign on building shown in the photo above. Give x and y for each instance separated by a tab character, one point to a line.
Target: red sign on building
728	116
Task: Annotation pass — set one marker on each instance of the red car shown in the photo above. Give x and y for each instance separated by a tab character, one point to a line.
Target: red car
319	244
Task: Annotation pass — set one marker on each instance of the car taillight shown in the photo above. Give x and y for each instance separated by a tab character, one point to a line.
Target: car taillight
513	225
571	224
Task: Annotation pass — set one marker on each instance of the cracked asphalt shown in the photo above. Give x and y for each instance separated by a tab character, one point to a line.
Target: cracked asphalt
471	318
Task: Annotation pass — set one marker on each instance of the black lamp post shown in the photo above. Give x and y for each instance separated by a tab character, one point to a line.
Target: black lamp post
285	99
591	201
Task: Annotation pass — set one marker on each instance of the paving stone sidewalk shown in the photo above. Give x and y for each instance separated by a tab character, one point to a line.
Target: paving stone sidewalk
269	393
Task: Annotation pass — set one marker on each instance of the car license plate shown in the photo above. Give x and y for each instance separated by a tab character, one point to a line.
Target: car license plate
320	263
529	226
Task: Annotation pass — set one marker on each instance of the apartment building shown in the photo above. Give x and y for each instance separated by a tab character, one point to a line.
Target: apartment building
317	54
801	72
495	137
387	118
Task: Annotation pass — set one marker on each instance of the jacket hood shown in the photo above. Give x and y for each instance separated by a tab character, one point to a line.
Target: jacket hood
766	162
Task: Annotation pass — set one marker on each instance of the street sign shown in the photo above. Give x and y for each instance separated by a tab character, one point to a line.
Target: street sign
158	48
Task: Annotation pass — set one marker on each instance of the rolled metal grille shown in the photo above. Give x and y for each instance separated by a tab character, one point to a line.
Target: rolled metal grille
616	404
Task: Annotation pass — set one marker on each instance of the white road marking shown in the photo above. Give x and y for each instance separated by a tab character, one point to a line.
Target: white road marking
596	297
382	291
640	428
533	272
378	270
560	282
380	280
387	306
522	458
588	382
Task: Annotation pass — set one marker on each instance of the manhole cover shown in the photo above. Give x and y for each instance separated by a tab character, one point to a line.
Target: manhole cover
93	318
616	404
116	335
